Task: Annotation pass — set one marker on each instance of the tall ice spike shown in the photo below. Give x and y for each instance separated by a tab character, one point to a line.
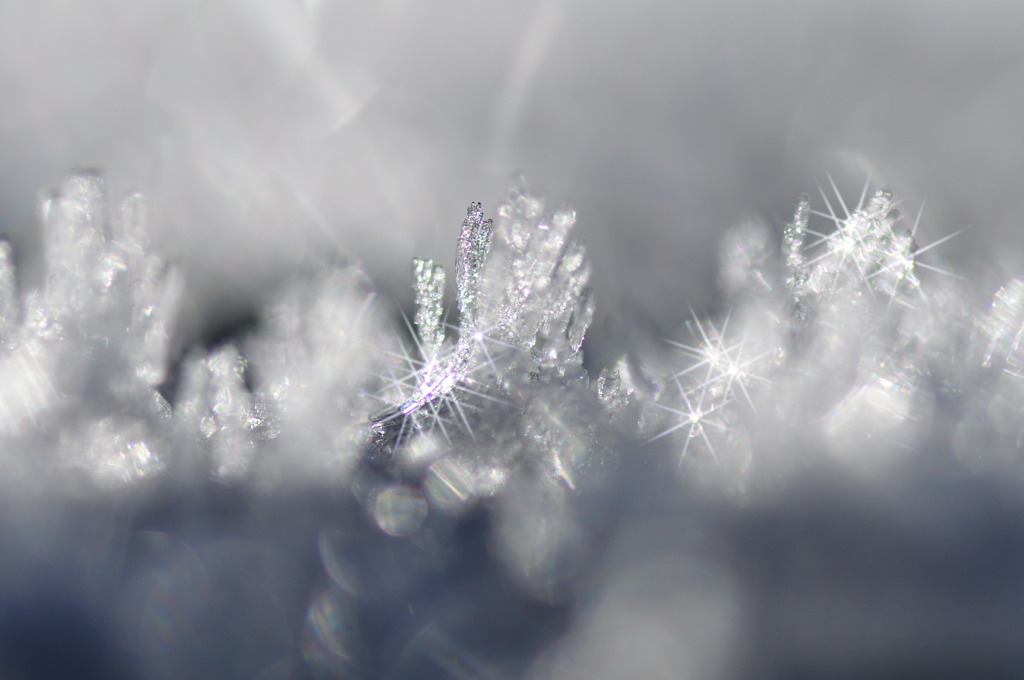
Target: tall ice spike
474	244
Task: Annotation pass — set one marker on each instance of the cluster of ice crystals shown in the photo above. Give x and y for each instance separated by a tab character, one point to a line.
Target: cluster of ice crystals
422	393
507	390
82	357
867	249
836	339
83	353
215	409
522	285
311	366
315	361
535	288
841	347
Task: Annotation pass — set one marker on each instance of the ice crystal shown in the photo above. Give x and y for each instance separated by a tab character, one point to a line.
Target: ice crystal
1003	325
440	373
795	262
536	291
8	294
474	245
220	406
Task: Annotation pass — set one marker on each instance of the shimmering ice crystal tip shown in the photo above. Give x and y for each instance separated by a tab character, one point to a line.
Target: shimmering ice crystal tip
474	244
538	279
793	243
428	285
881	202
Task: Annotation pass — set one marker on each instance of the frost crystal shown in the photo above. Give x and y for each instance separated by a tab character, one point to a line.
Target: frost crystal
82	355
524	304
474	244
222	405
8	294
535	289
839	336
795	263
1003	326
844	347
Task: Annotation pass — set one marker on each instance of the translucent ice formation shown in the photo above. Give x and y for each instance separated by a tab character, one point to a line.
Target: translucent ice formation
510	390
839	337
524	307
832	345
83	353
315	361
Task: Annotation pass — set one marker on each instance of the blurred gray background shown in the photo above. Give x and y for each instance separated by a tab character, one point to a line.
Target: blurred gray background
269	130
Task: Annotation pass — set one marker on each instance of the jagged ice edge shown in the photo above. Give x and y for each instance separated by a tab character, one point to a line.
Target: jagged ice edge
100	325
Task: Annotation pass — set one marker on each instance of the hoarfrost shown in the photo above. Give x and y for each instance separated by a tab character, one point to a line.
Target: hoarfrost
846	329
83	354
524	303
